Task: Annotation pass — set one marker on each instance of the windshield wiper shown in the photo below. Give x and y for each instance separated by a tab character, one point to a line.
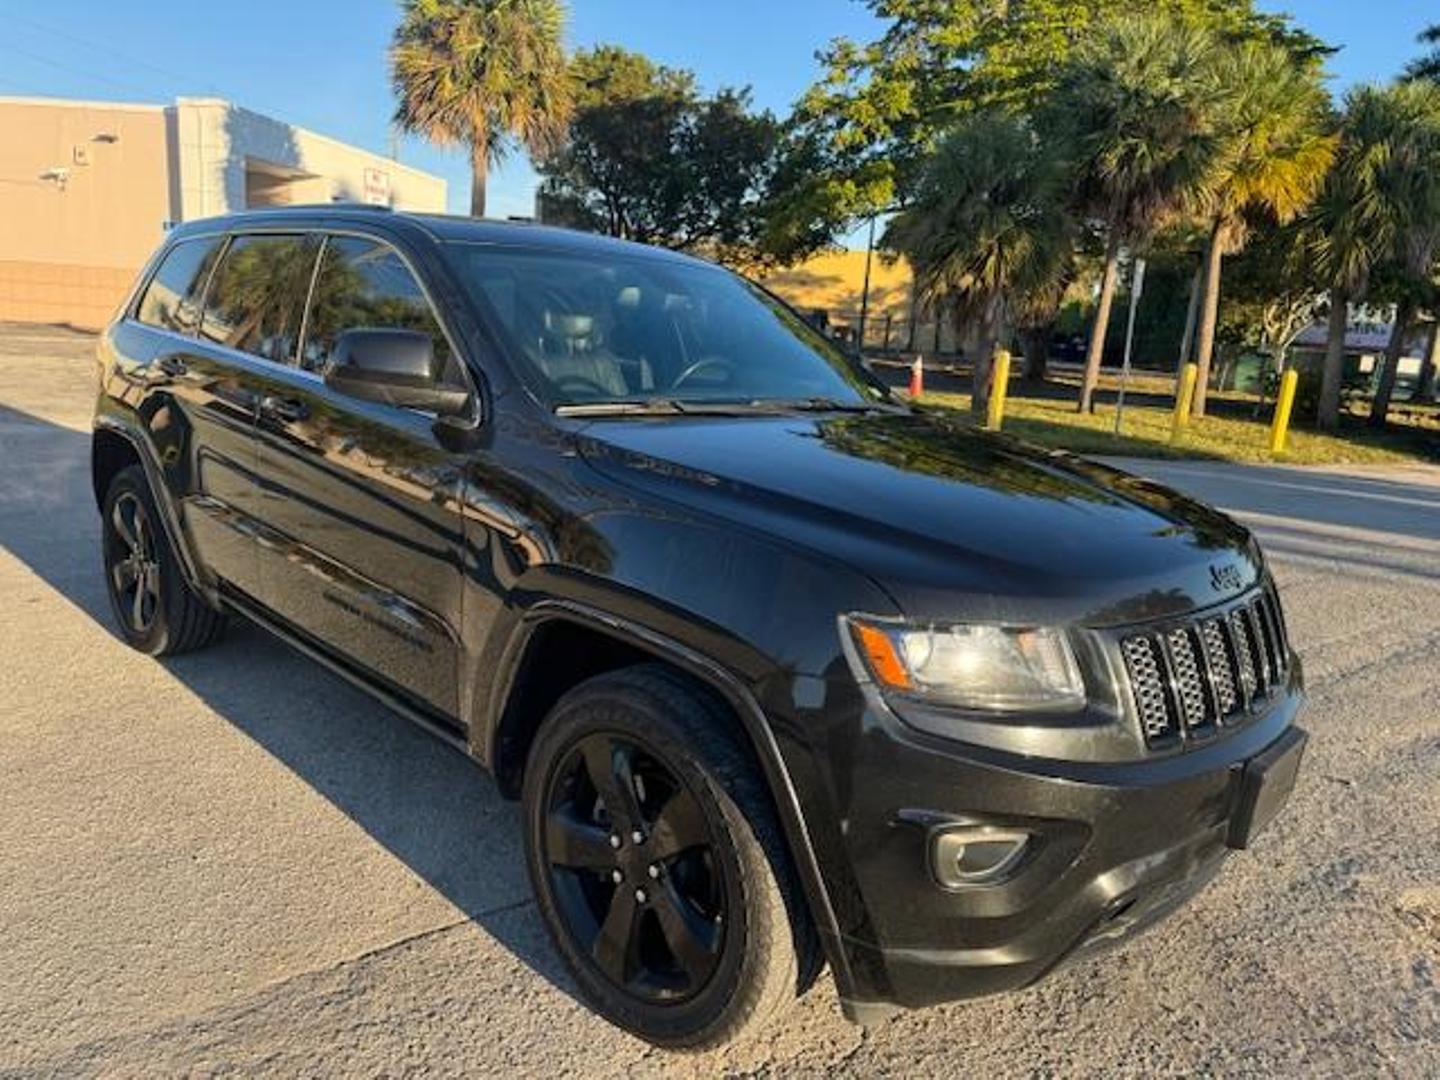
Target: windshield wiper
676	407
825	404
643	407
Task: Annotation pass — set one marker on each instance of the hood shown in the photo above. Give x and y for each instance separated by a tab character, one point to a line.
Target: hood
952	522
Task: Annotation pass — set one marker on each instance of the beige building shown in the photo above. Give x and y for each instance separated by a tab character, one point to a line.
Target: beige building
87	190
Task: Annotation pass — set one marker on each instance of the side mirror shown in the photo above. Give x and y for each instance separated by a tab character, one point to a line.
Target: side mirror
393	367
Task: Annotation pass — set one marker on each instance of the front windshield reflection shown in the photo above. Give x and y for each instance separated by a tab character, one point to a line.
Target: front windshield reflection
596	327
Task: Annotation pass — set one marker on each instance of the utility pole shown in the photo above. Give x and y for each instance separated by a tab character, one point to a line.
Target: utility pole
865	288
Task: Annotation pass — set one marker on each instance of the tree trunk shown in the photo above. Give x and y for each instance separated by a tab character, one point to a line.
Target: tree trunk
987	341
1380	407
1037	352
479	169
1209	314
1328	416
1095	351
1425	387
1192	310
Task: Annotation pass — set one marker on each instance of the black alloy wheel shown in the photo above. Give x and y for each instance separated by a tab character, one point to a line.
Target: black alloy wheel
157	610
633	868
133	563
658	862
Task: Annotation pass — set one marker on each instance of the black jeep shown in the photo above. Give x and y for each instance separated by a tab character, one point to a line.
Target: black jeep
785	670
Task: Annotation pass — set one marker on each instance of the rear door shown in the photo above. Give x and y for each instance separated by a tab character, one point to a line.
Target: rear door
361	539
200	407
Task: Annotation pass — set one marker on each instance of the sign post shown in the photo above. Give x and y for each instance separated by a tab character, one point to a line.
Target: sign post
1137	286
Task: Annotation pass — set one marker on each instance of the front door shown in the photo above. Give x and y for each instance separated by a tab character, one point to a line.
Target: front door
362	536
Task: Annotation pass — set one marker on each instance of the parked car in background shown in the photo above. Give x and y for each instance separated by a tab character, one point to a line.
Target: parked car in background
784	671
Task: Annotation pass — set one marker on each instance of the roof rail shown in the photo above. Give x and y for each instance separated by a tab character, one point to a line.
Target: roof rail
337	205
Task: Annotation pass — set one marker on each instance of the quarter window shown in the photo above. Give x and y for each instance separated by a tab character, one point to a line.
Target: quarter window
257	298
365	284
172	299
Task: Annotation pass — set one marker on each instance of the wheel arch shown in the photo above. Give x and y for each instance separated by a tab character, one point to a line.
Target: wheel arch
114	446
517	711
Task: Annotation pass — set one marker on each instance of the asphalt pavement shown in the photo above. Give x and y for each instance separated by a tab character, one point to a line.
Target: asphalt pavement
234	862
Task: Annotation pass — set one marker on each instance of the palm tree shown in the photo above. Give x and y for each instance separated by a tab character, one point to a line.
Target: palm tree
1355	223
1427	66
986	229
1138	97
1275	155
1412	184
482	73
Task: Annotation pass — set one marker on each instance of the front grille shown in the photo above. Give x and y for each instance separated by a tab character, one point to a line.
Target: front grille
1192	677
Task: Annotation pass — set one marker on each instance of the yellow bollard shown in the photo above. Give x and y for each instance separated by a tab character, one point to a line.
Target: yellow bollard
1280	426
1184	394
999	384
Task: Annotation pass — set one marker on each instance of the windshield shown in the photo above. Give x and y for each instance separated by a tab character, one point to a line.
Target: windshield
596	328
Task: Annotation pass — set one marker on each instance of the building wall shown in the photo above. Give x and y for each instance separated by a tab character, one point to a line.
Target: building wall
70	246
220	148
69	249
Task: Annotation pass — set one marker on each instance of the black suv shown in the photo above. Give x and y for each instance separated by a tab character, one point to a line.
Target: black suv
785	670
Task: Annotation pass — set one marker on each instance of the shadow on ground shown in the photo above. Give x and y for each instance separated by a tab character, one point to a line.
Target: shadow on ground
426	803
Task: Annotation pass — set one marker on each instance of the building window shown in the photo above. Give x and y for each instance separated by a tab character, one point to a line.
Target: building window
257	297
172	299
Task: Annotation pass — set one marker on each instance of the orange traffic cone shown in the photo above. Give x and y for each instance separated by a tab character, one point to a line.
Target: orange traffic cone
917	378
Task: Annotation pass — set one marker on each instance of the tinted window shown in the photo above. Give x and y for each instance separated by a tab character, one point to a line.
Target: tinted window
172	299
364	283
601	326
257	297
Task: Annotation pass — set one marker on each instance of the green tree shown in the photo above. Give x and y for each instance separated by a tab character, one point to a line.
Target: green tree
1274	289
483	74
987	232
1427	66
879	107
1413	190
1375	211
649	159
1275	150
1138	97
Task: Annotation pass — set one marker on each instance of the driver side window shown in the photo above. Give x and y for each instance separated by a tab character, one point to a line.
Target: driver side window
365	283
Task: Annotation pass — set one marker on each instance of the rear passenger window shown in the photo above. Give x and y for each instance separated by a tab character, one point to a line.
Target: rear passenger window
172	299
364	283
257	298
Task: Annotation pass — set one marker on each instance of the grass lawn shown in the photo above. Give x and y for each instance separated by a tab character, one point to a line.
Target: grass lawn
1234	436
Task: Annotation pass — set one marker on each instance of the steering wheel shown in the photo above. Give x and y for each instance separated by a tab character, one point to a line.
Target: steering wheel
585	385
699	366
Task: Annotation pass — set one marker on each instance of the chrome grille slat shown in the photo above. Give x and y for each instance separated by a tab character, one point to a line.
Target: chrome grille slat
1222	672
1191	676
1244	652
1148	683
1188	682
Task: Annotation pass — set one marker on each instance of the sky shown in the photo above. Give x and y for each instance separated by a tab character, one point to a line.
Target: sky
321	64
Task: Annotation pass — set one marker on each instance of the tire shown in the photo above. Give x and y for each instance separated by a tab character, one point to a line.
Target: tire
712	874
157	611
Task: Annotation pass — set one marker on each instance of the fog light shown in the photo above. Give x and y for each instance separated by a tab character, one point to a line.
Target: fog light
976	855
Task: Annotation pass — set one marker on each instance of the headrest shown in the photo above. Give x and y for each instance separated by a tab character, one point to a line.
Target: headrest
569	325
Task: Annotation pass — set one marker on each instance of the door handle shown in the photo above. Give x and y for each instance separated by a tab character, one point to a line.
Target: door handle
287	409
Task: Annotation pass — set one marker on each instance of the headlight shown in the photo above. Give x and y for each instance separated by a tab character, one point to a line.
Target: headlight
970	666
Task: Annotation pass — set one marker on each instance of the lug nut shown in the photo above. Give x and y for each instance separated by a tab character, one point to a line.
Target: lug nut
615	840
616	876
654	872
639	896
637	837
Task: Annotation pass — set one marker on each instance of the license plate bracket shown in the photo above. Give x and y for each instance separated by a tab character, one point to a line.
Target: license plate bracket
1265	786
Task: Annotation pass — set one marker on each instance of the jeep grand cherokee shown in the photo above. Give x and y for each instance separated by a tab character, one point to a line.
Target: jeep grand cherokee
785	671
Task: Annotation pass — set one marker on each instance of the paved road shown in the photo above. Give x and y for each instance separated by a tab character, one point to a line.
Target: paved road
234	861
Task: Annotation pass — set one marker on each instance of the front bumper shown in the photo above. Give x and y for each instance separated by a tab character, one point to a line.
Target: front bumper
1116	846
